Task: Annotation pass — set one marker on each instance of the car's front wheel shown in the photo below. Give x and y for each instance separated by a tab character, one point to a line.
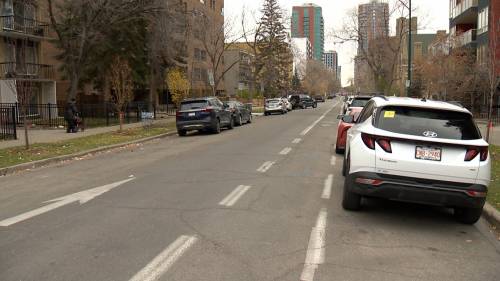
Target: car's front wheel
350	200
468	215
230	126
216	128
182	133
239	121
249	118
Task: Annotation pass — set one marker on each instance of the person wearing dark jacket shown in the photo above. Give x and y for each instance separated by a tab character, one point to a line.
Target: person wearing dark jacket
71	115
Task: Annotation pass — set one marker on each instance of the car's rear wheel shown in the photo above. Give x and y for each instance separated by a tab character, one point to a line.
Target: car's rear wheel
350	200
339	150
182	133
468	215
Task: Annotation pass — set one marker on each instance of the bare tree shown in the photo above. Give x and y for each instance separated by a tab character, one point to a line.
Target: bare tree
319	80
122	86
251	37
81	25
493	69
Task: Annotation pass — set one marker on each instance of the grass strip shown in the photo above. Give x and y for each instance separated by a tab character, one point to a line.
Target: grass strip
19	155
494	189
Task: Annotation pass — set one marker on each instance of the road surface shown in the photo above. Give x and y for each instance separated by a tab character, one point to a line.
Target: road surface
260	202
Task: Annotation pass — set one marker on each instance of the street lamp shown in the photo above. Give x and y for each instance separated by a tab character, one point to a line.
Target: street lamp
408	81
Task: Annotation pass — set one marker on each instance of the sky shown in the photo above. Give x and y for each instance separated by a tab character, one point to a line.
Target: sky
433	15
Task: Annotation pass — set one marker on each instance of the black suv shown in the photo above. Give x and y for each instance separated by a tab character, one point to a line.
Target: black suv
203	114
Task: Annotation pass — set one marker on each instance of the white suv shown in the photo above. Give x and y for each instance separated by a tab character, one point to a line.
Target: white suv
418	151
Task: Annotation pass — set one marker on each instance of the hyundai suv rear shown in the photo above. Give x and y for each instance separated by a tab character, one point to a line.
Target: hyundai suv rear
417	151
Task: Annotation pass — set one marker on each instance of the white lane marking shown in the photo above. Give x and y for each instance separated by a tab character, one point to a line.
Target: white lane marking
306	130
163	261
265	167
82	197
327	190
234	196
316	248
296	141
333	160
286	150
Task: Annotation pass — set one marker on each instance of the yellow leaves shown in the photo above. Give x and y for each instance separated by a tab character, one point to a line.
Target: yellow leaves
178	84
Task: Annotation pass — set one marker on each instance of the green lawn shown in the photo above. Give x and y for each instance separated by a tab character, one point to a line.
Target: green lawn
19	155
494	190
258	110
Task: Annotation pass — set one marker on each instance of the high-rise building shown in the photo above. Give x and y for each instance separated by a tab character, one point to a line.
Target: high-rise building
331	59
373	23
307	21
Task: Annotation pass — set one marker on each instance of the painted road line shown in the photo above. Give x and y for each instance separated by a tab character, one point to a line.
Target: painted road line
162	263
296	141
333	160
306	130
286	150
327	190
82	197
265	167
234	196
316	248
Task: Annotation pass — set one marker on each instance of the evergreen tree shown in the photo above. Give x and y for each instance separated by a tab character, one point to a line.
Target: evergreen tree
274	54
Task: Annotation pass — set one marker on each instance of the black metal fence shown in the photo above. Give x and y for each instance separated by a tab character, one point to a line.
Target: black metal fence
8	123
93	115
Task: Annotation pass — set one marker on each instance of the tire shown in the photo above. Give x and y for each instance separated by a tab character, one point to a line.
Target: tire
216	129
339	150
344	173
265	113
468	215
182	133
249	118
350	200
239	121
231	124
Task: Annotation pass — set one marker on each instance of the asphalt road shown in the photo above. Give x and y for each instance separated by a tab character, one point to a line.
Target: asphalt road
261	202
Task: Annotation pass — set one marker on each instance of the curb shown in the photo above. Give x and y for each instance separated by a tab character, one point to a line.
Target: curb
44	162
492	215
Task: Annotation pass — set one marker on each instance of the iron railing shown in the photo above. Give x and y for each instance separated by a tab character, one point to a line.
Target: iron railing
25	25
8	123
26	71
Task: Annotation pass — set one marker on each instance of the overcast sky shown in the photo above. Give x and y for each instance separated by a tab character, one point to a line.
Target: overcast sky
433	15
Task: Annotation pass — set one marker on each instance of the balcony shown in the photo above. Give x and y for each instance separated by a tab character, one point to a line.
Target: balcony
466	38
26	71
16	27
464	13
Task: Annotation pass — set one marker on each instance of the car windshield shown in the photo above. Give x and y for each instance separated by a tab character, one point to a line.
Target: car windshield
421	121
359	102
195	104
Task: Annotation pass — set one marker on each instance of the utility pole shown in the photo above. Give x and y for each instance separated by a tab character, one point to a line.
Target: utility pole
408	81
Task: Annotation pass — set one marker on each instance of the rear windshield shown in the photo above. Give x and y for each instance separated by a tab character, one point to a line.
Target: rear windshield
196	104
427	122
359	102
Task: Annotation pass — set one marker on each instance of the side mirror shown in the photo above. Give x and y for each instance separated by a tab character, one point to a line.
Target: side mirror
225	106
339	117
349	119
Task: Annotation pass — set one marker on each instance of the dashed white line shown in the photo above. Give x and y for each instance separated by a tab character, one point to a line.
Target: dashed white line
327	190
333	160
316	248
306	130
162	263
296	141
285	151
234	196
265	167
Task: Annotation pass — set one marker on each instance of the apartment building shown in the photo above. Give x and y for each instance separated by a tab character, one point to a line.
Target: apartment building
239	77
331	61
199	70
24	48
307	21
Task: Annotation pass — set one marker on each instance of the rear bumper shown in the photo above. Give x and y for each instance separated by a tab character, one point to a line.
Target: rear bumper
274	110
195	125
438	193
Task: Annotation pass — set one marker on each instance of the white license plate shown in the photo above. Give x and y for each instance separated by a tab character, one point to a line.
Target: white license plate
192	114
428	153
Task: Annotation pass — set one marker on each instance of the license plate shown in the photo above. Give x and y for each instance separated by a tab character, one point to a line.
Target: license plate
192	114
428	153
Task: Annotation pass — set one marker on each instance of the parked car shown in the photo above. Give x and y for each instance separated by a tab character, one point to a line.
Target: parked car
346	103
319	98
417	151
203	114
357	101
343	127
307	101
241	113
288	104
274	106
295	100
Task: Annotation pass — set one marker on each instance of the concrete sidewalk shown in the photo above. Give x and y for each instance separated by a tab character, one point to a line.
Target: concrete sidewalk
495	134
54	135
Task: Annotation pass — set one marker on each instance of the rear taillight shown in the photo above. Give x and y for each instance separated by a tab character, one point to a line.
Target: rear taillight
385	144
369	181
477	194
369	140
472	152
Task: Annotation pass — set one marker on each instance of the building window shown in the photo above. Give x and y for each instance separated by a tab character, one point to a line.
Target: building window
482	21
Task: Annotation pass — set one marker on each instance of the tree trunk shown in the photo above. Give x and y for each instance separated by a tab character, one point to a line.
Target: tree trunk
73	87
121	117
26	136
